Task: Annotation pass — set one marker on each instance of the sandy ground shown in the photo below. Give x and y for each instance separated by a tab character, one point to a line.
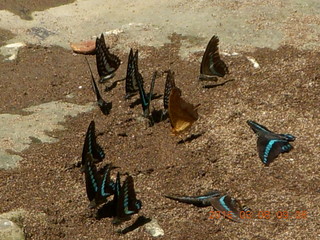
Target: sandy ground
283	94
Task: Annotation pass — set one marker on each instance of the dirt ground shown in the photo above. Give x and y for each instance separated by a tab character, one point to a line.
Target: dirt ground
24	8
283	95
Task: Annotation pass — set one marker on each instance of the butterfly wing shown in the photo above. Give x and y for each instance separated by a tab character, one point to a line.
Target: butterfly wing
91	146
211	64
269	148
181	113
103	105
143	96
200	201
258	128
107	186
107	63
131	81
227	206
132	205
92	180
170	83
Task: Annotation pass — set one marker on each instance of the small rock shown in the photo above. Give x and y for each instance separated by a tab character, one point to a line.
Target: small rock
10	51
154	229
10	231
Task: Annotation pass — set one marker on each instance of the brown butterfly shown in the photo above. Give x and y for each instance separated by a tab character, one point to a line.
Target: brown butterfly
211	64
181	113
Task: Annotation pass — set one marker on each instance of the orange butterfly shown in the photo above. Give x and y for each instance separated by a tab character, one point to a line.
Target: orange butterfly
181	113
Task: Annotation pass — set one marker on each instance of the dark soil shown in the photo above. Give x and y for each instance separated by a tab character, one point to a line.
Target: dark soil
283	95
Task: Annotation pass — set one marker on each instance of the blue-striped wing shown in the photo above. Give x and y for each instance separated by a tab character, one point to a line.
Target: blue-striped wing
270	144
258	128
200	201
107	186
92	180
227	205
211	64
131	80
145	98
107	63
99	188
270	148
127	203
91	146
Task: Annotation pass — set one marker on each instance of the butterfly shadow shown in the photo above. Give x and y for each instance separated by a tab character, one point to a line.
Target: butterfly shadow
218	84
141	220
191	138
113	85
159	116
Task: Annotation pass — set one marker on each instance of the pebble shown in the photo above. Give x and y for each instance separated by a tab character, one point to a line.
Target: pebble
154	229
10	51
10	231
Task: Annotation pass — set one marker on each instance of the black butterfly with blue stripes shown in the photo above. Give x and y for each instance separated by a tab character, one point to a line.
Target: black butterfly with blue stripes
145	98
199	201
211	64
125	202
131	77
104	106
91	146
270	144
229	207
99	186
107	63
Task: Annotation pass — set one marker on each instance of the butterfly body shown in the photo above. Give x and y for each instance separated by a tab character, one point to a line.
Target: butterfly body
98	187
104	106
270	144
229	207
181	113
131	77
200	201
91	146
211	64
107	63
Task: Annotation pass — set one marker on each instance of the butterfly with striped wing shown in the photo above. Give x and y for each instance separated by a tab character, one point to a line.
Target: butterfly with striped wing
270	144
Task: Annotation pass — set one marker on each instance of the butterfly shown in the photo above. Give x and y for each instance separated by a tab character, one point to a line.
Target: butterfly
98	187
107	63
145	98
200	201
170	83
211	64
181	113
132	69
105	107
125	201
270	144
91	146
229	207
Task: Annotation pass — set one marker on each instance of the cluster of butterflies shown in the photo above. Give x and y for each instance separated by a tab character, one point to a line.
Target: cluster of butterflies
269	145
100	187
181	114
